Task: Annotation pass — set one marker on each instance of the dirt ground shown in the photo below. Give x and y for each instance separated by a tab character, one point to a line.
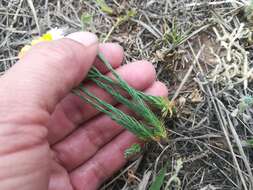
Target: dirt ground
202	51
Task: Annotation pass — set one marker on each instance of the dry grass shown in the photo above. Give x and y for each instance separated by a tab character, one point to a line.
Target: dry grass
201	51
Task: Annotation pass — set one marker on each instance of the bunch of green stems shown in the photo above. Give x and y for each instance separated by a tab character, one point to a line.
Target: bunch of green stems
148	126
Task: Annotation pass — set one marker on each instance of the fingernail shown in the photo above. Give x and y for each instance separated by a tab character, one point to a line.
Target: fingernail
85	38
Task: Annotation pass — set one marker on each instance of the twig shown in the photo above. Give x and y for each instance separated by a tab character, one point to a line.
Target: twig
30	3
187	74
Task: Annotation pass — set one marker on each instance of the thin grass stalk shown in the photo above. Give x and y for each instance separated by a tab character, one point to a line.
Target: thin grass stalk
160	103
140	108
126	121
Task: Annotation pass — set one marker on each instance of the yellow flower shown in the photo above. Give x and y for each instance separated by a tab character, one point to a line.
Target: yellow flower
53	34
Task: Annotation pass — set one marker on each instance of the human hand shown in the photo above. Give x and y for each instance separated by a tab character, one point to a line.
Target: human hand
50	139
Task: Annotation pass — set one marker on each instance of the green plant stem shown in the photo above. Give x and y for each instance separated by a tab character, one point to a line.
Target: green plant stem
139	108
151	127
160	103
137	104
115	114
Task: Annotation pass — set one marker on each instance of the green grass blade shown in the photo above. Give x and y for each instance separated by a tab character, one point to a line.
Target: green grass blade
133	150
137	105
250	142
140	108
159	179
157	102
126	121
104	7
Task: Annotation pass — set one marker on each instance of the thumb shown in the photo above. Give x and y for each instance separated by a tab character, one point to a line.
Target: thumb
46	74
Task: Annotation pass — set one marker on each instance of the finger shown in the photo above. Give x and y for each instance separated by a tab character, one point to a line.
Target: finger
104	164
113	53
59	178
73	111
44	76
83	143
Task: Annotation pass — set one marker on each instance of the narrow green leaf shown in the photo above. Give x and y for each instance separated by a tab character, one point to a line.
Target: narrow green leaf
126	121
104	7
250	142
161	103
133	150
138	105
157	184
150	126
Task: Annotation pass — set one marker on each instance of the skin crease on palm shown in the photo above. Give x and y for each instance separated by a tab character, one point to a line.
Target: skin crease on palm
50	139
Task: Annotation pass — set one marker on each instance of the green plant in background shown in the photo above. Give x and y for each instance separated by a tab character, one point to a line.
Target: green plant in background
159	179
245	103
174	177
104	7
250	142
174	36
121	20
86	21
